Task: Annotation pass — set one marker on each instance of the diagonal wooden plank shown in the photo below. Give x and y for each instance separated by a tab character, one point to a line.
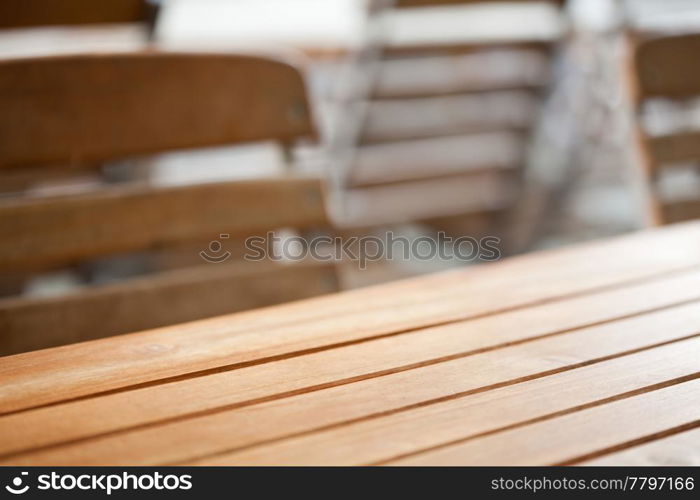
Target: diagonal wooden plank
235	427
567	438
283	331
681	449
382	439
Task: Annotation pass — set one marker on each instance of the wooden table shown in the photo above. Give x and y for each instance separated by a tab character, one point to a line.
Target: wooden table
576	356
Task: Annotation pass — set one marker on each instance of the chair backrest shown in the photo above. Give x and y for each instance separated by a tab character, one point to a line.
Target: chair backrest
89	108
35	13
667	68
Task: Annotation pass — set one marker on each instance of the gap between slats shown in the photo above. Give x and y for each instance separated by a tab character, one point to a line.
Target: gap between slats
627	422
393	438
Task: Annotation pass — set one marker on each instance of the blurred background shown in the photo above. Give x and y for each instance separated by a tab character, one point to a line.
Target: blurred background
493	118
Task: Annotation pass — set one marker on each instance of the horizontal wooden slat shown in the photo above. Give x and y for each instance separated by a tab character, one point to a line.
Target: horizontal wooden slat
437	3
61	229
471	74
680	211
462	28
62	373
666	67
88	108
455	48
154	301
681	449
392	120
571	437
332	406
417	160
28	13
675	148
483	190
385	437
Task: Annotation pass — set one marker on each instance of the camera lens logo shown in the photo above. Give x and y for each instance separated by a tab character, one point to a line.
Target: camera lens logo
215	247
16	487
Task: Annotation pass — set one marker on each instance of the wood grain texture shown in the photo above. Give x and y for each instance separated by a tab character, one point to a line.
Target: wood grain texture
360	400
384	438
89	108
154	301
107	364
63	229
569	438
30	13
420	354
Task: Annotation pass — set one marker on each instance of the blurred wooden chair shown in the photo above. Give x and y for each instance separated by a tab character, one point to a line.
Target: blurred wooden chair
83	109
448	110
665	69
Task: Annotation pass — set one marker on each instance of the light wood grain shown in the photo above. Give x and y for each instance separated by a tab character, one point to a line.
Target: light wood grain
59	230
380	357
62	373
383	438
569	438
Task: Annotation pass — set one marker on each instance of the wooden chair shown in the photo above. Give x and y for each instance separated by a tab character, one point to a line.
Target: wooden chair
430	98
83	109
666	68
36	13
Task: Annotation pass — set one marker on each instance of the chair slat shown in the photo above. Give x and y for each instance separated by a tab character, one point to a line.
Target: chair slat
667	67
150	302
675	148
47	231
89	108
30	13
